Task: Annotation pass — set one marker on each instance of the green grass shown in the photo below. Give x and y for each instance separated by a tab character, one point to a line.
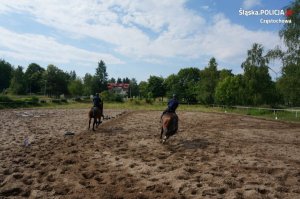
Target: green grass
158	106
269	114
107	105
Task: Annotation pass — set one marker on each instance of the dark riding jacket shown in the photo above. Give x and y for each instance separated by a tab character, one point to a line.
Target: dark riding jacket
96	101
172	105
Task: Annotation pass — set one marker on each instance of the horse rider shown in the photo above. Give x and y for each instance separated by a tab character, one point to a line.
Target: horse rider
96	102
172	105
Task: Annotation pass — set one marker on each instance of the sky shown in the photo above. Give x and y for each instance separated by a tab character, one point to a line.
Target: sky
135	38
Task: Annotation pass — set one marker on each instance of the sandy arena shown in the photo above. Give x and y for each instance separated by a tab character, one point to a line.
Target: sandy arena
212	156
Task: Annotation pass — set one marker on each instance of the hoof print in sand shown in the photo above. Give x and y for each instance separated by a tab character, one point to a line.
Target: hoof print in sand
13	190
61	190
88	174
70	161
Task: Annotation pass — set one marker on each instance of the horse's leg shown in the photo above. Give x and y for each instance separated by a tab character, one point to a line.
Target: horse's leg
165	124
161	132
90	123
164	135
99	118
95	120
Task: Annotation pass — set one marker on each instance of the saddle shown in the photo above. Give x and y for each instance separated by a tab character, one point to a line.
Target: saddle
95	110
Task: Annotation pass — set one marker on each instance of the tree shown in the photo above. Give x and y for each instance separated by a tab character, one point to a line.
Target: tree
259	86
87	84
231	91
112	80
56	81
75	87
100	78
225	73
209	78
172	86
126	80
72	75
143	89
290	33
187	82
6	73
289	82
156	87
34	78
17	84
133	88
119	80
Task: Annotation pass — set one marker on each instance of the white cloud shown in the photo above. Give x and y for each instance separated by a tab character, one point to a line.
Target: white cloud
229	41
30	47
101	21
206	7
248	4
148	30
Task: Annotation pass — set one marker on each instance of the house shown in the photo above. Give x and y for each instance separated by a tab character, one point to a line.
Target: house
119	88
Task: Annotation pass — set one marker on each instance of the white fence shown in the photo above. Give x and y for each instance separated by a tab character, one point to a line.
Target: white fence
294	111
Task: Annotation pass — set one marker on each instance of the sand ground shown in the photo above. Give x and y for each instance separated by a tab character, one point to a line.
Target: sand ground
213	156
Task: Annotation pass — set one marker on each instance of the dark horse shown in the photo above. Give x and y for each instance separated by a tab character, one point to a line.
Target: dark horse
169	126
96	113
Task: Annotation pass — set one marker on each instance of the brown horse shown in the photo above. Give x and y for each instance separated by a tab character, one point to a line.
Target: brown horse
169	126
96	113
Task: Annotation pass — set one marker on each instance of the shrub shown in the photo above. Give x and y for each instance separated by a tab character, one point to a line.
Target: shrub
64	100
34	100
135	101
77	99
111	97
43	101
4	98
56	101
86	97
118	98
149	101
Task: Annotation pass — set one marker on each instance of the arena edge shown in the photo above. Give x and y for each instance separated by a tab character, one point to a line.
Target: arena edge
275	21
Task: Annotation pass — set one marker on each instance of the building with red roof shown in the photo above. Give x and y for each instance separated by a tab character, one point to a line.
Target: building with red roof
119	88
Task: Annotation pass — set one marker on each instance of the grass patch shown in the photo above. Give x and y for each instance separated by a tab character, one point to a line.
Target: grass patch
11	102
135	104
269	114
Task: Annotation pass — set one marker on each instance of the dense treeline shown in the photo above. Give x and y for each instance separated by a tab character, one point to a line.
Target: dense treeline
192	85
51	81
55	82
